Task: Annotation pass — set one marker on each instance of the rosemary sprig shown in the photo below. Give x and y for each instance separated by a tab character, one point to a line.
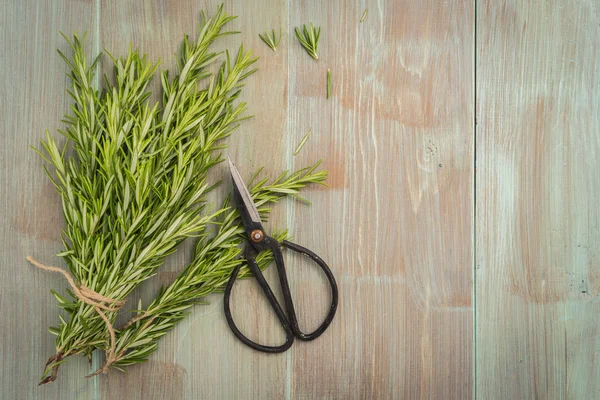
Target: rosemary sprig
271	40
208	273
136	185
364	15
328	83
301	144
309	39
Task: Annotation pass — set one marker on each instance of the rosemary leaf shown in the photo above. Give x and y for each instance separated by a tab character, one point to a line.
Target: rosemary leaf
364	15
301	144
309	39
328	83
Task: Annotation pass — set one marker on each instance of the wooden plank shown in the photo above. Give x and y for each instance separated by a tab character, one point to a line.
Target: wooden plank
396	225
201	358
33	99
538	139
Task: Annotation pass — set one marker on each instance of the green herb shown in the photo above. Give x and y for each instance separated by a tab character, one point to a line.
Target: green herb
309	39
328	83
364	15
272	41
301	144
208	273
135	185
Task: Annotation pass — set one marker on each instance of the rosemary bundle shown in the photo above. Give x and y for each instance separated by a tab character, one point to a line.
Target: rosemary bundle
134	187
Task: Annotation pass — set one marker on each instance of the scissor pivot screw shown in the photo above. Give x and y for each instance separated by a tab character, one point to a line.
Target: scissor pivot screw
257	235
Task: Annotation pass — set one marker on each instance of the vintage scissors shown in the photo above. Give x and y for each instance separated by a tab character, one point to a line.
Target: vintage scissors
259	241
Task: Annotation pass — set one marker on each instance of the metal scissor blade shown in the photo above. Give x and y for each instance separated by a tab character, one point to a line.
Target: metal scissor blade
244	193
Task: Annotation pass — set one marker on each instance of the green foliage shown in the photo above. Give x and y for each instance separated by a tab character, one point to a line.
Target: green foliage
133	179
328	83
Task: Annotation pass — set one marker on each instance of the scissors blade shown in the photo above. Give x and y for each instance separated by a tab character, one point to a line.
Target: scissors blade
244	194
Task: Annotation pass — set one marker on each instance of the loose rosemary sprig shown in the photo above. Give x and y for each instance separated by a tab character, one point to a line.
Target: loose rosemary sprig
209	272
302	142
309	39
364	15
136	186
271	40
328	83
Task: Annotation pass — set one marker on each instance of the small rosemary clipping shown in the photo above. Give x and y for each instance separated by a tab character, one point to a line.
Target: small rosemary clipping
309	39
328	83
301	144
271	39
364	15
133	180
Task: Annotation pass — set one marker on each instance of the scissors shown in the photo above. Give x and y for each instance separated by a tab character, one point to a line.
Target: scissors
257	242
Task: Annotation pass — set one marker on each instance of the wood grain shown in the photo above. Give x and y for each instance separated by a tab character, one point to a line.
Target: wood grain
537	200
397	136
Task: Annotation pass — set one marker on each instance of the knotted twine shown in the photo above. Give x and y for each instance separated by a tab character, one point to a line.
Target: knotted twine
88	296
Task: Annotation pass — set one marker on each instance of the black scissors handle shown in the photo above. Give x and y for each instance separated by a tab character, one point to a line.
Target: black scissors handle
289	334
287	296
289	322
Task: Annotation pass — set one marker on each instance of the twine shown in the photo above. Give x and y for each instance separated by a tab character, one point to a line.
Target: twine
114	358
88	296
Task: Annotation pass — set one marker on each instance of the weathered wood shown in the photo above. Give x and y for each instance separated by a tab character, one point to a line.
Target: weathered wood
538	191
396	225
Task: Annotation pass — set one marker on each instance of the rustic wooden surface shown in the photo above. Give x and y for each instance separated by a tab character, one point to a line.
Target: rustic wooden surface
406	225
538	192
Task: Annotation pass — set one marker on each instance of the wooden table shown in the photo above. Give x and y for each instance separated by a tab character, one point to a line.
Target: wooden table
462	141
